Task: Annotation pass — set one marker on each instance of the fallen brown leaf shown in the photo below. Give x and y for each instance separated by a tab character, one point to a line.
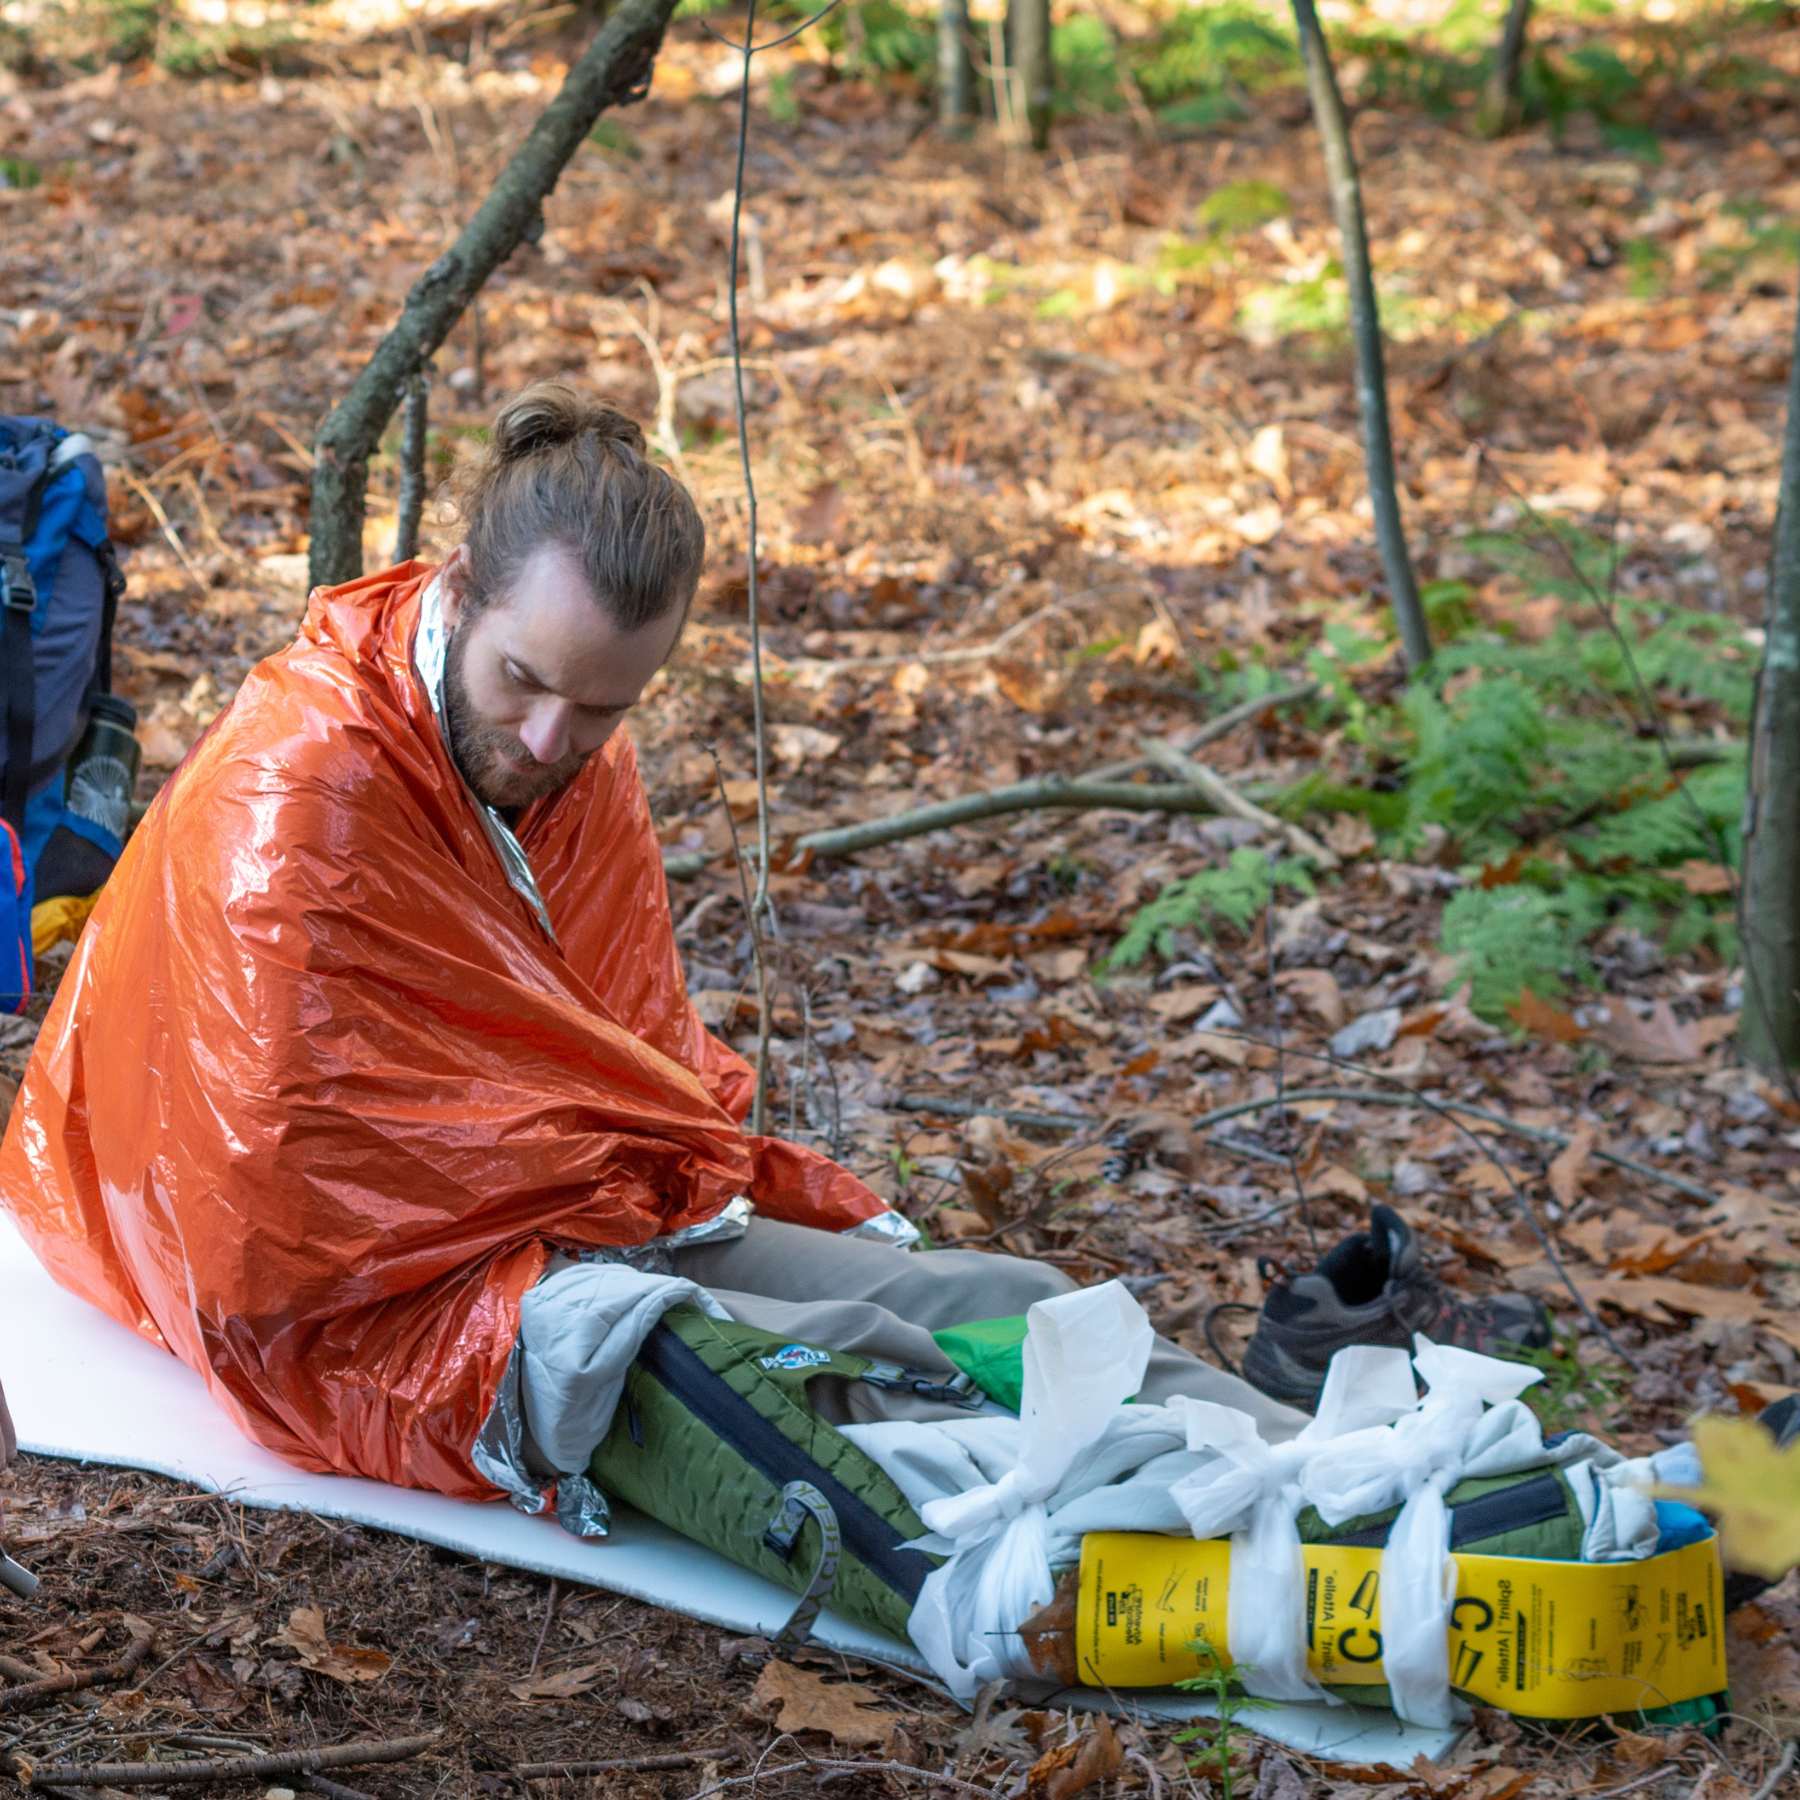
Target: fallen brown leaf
564	1684
1570	1166
1536	1015
1659	1038
1318	992
799	1700
1072	1769
304	1634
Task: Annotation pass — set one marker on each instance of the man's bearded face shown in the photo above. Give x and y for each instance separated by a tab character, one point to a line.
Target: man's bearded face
536	681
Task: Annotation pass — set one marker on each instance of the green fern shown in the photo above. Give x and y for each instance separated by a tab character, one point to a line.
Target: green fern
1234	895
1508	938
1476	760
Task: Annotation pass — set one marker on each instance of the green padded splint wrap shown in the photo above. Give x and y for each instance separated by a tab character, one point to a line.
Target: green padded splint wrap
991	1352
715	1424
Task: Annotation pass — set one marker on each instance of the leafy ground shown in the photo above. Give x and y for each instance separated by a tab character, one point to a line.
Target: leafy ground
1054	456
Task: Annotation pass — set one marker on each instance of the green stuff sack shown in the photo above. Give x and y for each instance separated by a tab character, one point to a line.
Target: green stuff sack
715	1424
991	1352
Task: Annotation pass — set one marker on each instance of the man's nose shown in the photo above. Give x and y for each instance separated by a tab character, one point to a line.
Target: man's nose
545	732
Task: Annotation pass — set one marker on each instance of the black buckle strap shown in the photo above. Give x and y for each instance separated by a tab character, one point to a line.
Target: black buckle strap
958	1391
18	592
18	601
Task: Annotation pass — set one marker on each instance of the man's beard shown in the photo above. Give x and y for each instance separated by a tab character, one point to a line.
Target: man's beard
485	755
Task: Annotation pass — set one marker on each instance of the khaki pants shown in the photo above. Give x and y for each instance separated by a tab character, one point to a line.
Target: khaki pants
853	1294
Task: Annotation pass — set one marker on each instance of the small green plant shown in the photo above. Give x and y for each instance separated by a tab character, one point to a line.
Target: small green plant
1513	937
16	172
1572	1391
1241	206
784	108
880	37
1223	1682
1234	894
1086	60
611	136
1646	267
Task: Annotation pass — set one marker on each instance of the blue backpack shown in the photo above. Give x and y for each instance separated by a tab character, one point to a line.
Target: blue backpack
59	589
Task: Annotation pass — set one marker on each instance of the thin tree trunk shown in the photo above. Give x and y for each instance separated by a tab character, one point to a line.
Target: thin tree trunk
1499	111
412	467
1030	51
956	70
614	70
1769	896
1365	327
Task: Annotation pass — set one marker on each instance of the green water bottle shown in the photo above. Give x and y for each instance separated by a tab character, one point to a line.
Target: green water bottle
104	769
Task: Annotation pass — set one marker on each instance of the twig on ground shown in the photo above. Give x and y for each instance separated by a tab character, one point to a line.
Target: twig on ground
559	1771
1227	799
331	1790
15	1670
32	1693
1042	1121
234	1768
537	1649
844	665
843	1765
1287	1133
1408	1097
1106	786
1055	792
1777	1775
170	535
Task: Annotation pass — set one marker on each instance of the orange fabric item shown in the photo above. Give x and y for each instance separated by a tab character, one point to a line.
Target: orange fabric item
318	1098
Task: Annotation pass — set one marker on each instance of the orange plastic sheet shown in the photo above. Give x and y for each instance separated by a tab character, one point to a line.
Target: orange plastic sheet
318	1097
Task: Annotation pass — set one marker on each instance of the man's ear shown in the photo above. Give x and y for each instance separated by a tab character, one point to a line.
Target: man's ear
453	585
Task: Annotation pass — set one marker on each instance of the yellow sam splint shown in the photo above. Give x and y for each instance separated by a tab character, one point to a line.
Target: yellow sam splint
1544	1640
54	920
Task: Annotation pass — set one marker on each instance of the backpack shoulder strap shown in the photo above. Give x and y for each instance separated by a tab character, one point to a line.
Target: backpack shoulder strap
18	601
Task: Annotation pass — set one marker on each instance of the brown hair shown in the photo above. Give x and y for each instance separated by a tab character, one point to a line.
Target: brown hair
565	470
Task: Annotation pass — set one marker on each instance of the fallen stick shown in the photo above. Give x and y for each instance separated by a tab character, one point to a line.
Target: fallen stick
1227	799
1051	792
1042	1121
230	1768
557	1771
843	1765
1026	796
1777	1775
32	1693
1398	1097
331	1790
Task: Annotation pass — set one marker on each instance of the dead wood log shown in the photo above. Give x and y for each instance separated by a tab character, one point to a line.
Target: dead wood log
616	1765
1100	787
614	70
30	1694
228	1768
1227	799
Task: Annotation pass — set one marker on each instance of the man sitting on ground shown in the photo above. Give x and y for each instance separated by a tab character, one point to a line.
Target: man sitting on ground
381	1015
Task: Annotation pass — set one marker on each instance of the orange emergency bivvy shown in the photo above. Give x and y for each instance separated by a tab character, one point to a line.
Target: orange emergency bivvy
318	1097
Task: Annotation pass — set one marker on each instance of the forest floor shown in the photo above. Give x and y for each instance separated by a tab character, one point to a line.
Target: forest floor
1025	467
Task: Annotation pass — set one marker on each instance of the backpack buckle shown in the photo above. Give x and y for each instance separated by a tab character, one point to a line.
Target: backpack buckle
18	592
959	1390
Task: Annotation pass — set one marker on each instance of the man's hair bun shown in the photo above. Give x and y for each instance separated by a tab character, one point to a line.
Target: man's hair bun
549	414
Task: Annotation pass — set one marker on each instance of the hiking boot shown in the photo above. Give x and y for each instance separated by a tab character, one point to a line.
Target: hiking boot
1374	1289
